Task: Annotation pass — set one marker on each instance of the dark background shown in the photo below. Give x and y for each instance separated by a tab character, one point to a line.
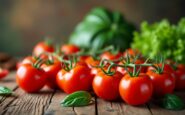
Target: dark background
25	22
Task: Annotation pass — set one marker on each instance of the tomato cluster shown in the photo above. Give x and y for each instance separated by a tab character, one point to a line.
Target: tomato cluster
125	77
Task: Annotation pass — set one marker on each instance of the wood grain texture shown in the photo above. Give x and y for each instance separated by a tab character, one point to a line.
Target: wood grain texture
120	108
56	109
8	81
24	103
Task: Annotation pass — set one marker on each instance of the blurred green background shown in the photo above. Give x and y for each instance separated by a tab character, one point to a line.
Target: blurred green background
23	23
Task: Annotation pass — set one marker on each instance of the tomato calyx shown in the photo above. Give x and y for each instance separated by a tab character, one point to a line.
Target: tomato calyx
157	61
48	41
38	63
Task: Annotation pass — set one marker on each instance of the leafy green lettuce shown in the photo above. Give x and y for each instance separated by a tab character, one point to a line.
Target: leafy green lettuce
162	38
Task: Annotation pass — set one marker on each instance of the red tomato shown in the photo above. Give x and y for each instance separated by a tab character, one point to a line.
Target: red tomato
131	52
163	83
28	60
70	49
83	58
180	77
124	72
29	78
42	47
51	71
110	56
3	73
79	78
167	68
107	87
91	62
136	90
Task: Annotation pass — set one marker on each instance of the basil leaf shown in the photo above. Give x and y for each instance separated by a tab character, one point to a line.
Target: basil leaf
76	99
5	91
172	102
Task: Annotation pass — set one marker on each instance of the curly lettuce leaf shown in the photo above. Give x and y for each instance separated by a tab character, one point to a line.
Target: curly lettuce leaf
162	38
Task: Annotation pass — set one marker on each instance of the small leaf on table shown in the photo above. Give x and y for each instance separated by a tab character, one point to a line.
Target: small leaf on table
76	99
172	102
5	91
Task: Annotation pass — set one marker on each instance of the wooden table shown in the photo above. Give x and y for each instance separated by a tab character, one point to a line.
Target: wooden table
47	102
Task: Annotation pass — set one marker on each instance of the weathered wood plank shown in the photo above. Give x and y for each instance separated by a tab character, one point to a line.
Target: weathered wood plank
56	109
156	110
24	103
120	108
9	82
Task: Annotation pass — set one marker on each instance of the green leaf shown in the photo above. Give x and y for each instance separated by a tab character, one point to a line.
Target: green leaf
76	99
5	91
172	102
101	28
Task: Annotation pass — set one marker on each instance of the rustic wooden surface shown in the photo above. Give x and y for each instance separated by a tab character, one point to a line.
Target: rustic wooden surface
47	102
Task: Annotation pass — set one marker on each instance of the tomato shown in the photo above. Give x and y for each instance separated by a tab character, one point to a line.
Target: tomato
78	78
163	83
29	78
83	58
28	60
110	56
180	77
69	49
131	52
92	62
42	47
107	87
3	73
167	68
124	71
136	90
51	71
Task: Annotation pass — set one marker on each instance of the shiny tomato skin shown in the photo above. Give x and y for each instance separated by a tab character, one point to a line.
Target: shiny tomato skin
30	79
79	78
136	90
107	87
167	68
69	49
42	47
163	83
3	73
91	62
28	60
180	77
110	56
51	72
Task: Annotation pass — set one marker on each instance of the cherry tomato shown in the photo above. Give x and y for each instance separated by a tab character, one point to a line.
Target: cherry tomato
107	87
42	47
163	83
3	73
70	49
29	78
91	62
131	52
28	60
78	78
51	71
124	71
136	90
180	77
167	68
110	56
